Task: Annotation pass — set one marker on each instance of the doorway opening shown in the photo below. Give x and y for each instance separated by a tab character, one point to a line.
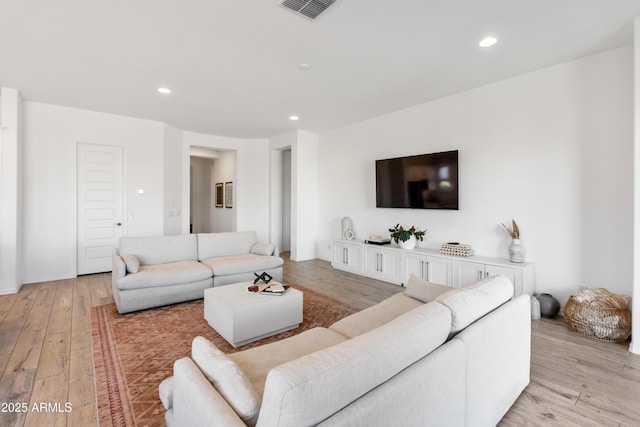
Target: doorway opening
201	210
211	171
286	200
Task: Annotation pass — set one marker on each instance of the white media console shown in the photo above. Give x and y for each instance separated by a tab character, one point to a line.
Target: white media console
393	264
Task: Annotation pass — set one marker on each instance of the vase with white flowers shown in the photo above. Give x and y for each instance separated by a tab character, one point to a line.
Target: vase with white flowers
516	249
406	238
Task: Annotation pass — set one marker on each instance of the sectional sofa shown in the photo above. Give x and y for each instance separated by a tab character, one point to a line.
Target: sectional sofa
154	271
430	356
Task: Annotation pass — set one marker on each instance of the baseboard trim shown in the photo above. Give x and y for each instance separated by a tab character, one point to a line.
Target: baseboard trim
48	279
9	291
634	349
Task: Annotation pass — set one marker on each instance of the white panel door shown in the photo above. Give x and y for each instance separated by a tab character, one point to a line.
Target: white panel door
100	206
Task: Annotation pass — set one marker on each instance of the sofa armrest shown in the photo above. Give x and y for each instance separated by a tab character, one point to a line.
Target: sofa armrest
195	402
498	353
119	268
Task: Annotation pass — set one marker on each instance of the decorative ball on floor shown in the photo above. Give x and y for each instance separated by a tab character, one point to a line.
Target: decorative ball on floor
549	305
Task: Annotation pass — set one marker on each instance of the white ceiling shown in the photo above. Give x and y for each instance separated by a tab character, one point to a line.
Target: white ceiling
233	64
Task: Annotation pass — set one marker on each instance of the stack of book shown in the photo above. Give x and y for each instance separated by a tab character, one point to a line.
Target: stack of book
274	289
456	249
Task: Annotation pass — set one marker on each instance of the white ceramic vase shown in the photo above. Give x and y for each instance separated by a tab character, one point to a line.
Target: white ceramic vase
409	244
516	251
535	308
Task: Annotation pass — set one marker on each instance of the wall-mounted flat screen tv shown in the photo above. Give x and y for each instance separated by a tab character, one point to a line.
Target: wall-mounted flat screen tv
426	181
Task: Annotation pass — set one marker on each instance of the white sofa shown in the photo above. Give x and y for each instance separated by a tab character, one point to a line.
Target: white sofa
154	271
450	358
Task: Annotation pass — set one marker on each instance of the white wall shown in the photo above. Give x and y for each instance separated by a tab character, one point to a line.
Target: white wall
304	185
540	148
304	192
51	134
635	343
10	190
172	181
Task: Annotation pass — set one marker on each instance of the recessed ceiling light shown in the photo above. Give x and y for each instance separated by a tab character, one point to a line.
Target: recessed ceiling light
488	41
294	118
164	90
304	67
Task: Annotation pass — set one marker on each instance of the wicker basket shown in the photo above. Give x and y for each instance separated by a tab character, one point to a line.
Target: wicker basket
599	314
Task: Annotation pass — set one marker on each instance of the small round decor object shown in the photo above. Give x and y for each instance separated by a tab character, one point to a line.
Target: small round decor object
535	308
549	305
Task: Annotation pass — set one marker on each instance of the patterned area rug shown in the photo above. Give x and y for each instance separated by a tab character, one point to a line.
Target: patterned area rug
133	353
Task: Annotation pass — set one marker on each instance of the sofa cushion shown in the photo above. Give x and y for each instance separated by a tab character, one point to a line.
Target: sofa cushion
132	262
231	382
263	249
222	244
338	375
246	263
374	316
424	290
160	250
258	361
174	273
470	303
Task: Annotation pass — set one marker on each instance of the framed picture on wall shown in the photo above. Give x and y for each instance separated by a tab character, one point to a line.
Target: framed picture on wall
228	194
219	195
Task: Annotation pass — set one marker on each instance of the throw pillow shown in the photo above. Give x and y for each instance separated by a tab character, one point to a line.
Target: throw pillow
423	290
132	262
262	249
228	379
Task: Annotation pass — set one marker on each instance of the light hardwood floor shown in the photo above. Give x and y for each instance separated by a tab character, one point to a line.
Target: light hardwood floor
45	356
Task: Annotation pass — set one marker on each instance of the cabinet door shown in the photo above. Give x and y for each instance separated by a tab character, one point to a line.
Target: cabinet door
371	261
383	264
413	264
438	270
391	264
347	257
467	272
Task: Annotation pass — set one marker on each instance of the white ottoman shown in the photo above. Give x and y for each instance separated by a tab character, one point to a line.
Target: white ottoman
242	317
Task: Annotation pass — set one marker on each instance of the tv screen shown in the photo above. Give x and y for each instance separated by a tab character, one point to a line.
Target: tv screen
427	181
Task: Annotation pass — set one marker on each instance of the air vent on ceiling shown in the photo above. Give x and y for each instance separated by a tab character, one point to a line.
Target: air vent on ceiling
309	8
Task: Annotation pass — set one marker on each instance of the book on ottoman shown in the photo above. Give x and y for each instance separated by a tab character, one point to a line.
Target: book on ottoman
275	289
